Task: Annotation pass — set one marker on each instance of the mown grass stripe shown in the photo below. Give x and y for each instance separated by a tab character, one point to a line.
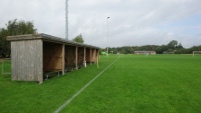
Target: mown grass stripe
83	88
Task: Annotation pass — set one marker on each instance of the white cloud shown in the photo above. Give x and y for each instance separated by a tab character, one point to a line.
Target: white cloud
132	22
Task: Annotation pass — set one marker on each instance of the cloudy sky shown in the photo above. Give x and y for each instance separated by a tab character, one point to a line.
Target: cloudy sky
131	22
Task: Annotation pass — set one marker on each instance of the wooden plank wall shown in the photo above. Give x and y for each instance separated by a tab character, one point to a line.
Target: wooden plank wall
88	53
27	60
69	56
84	59
93	56
80	56
63	59
76	57
52	56
32	58
97	55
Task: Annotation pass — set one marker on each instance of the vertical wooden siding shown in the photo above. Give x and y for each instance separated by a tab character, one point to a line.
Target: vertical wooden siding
76	57
52	56
63	59
80	56
27	60
93	57
84	59
88	53
69	56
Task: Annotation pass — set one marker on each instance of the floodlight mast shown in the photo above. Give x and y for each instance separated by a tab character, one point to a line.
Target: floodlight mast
107	35
66	20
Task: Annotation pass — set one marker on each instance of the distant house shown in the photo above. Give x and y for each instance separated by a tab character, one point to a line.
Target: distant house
168	52
145	52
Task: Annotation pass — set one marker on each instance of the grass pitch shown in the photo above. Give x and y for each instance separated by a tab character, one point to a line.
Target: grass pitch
134	83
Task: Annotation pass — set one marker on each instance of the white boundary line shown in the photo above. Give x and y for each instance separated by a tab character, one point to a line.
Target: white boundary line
82	89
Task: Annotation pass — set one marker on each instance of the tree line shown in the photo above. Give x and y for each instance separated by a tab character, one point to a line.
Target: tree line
172	47
13	27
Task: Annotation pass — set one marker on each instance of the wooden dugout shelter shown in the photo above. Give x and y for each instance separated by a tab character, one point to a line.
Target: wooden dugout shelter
36	54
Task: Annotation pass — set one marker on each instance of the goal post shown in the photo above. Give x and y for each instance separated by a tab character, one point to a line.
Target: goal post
196	52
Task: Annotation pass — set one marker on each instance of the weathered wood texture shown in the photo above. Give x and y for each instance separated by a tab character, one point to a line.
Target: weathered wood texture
84	59
33	55
49	38
52	56
88	55
76	57
93	56
63	59
27	60
97	56
80	56
69	56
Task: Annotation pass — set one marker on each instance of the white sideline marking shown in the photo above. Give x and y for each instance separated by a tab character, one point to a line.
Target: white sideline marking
82	89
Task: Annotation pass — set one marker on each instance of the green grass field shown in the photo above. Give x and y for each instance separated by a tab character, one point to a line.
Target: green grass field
133	84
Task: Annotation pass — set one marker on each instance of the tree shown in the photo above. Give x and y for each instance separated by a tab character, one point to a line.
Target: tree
13	27
172	44
78	39
4	45
161	49
19	28
179	46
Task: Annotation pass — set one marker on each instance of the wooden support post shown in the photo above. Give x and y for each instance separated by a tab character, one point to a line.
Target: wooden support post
97	57
63	59
76	57
94	56
90	56
98	54
84	58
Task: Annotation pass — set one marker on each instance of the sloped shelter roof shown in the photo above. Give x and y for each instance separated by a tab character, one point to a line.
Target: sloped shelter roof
48	38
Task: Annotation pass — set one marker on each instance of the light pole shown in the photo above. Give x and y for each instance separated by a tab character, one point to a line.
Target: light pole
107	36
66	20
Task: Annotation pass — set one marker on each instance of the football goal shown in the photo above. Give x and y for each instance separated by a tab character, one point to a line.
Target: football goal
196	53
